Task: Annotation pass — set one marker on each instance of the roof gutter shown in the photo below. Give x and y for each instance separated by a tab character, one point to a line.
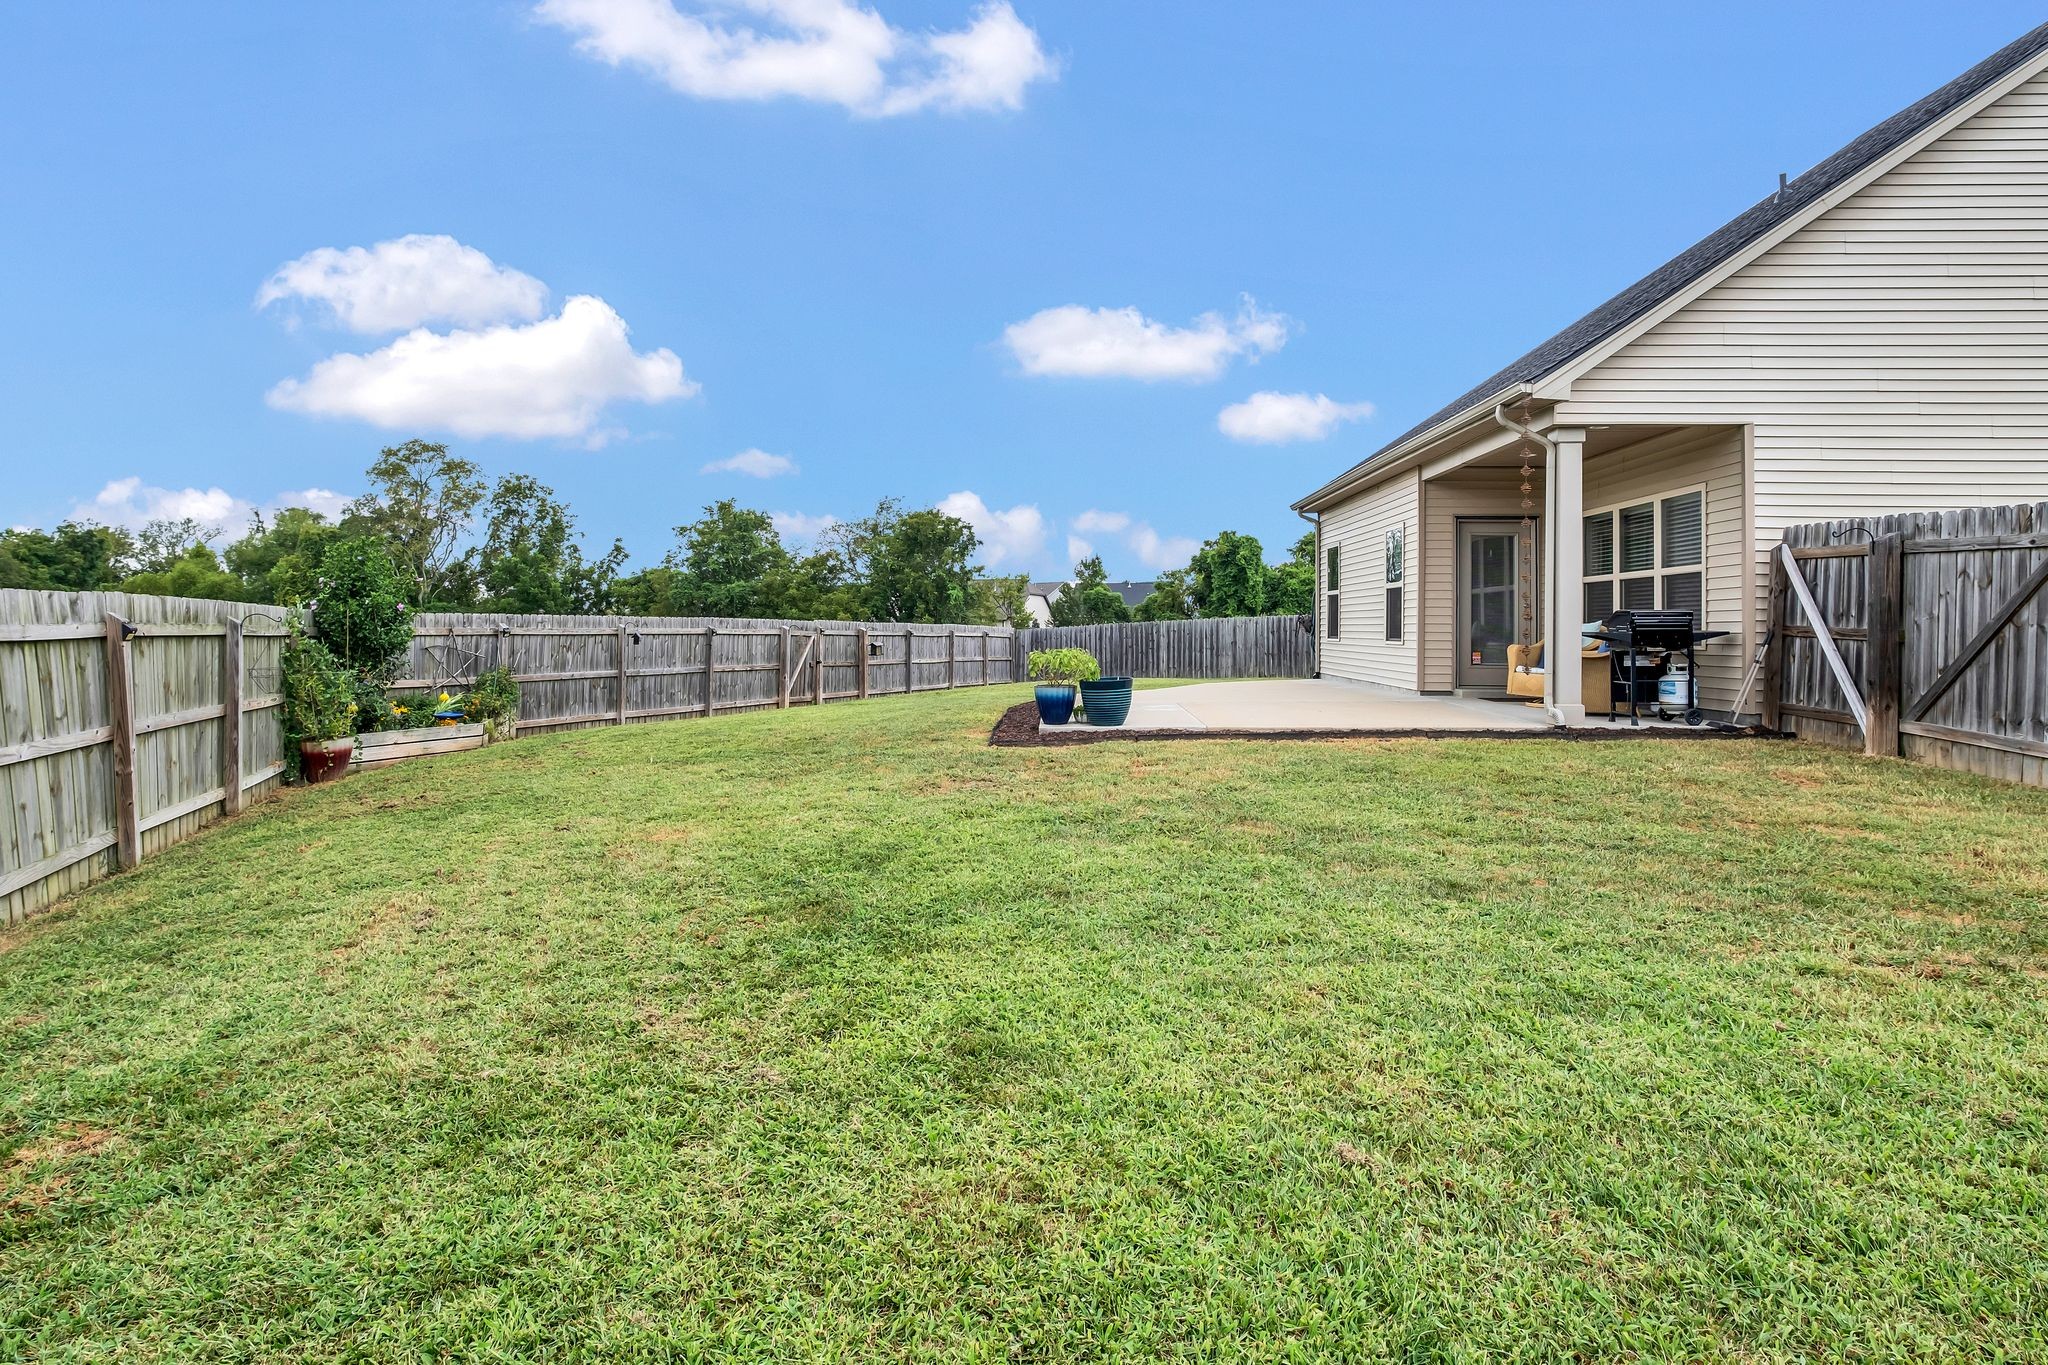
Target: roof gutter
1385	460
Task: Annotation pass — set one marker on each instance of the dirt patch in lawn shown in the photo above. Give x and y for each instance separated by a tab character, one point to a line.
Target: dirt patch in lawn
1018	728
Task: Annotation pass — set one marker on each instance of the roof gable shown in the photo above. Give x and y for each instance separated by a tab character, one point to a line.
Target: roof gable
1771	216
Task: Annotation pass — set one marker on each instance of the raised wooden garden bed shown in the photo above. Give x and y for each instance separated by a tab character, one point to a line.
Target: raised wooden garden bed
393	746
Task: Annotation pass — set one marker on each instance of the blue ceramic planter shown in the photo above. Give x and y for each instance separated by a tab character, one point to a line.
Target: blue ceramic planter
1106	700
1055	703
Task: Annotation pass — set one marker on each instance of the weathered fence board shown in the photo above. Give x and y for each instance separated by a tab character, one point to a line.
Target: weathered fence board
115	737
576	671
1222	647
1942	619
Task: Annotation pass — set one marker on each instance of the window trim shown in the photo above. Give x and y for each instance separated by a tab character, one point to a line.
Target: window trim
1397	612
1658	571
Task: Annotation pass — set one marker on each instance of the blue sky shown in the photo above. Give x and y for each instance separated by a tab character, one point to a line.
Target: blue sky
893	249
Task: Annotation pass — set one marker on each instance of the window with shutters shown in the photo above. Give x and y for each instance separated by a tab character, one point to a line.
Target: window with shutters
1641	556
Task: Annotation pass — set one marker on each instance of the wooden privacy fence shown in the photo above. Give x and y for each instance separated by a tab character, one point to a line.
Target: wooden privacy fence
1923	634
126	723
1223	647
608	670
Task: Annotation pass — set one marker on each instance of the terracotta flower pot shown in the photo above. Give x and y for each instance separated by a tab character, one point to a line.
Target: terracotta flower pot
325	760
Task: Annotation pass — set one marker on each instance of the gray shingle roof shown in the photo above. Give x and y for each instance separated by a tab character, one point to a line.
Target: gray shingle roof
1718	246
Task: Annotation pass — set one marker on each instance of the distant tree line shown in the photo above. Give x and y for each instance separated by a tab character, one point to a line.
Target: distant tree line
1228	576
457	542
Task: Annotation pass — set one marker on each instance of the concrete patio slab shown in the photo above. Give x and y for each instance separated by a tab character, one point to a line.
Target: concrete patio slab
1322	705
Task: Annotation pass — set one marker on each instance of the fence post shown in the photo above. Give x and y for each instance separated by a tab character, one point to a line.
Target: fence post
622	676
909	661
121	715
1774	647
231	718
817	668
782	674
1884	648
860	646
710	669
952	656
984	658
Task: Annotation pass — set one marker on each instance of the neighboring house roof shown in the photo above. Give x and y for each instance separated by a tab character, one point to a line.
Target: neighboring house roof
1715	249
1131	592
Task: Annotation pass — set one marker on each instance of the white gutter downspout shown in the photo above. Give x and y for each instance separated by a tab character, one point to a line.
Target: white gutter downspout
1315	597
1500	415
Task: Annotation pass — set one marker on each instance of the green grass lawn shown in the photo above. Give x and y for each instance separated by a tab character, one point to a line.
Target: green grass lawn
837	1034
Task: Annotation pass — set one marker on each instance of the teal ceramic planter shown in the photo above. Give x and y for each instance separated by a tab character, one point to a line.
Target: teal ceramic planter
1106	700
1055	703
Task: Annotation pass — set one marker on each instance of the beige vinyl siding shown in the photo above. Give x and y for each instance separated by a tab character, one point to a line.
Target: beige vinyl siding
1891	356
1459	495
1688	459
1359	526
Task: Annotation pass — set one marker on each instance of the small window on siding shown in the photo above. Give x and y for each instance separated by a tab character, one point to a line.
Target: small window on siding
1397	554
1331	601
1395	614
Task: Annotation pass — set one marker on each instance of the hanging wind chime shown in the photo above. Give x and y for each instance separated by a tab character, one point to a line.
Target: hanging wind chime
1527	592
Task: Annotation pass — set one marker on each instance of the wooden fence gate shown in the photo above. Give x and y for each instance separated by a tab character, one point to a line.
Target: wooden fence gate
1923	634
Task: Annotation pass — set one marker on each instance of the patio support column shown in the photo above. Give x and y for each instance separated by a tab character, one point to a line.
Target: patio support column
1565	541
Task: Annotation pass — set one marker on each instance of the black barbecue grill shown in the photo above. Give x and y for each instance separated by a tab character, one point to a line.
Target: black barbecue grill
1636	633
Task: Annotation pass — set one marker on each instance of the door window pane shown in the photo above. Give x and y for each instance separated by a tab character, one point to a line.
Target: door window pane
1600	544
1639	594
1683	592
1683	531
1599	599
1639	537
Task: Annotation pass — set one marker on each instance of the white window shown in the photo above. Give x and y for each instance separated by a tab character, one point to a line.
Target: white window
1641	556
1397	573
1330	598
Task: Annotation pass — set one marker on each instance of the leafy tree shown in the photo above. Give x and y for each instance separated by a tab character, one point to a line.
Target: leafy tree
280	562
1089	600
1228	576
162	543
359	611
909	566
420	505
1291	586
196	573
530	560
650	592
79	556
1171	599
1001	601
720	561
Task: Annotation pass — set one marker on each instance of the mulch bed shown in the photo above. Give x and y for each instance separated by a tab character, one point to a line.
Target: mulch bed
1018	729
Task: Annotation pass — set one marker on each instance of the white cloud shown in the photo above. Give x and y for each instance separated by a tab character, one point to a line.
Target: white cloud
131	503
830	51
325	501
1157	552
549	378
1011	536
802	526
1123	343
406	282
1078	549
1095	520
1276	418
758	464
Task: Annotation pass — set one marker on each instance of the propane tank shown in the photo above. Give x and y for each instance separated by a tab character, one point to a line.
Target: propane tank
1674	689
